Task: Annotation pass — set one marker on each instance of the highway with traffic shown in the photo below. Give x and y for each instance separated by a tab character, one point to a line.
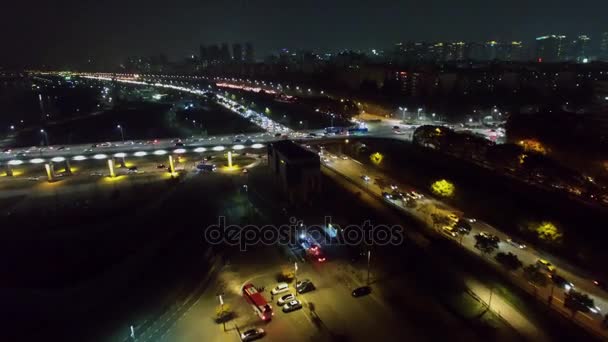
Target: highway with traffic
373	181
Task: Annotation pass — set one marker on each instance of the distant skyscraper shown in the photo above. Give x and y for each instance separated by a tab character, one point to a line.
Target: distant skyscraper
550	48
510	51
490	50
249	56
213	54
580	49
225	53
455	51
604	46
237	52
204	55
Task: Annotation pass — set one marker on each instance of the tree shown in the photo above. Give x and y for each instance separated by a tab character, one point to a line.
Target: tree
578	301
535	276
509	261
547	231
286	275
443	188
485	244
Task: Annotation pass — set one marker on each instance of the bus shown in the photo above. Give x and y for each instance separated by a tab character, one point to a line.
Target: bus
258	302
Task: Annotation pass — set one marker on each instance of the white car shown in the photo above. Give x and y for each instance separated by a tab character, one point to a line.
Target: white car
286	299
252	334
280	288
292	306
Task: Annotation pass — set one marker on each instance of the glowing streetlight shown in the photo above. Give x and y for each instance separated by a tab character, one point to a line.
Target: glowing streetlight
46	136
222	310
369	256
403	110
295	276
122	132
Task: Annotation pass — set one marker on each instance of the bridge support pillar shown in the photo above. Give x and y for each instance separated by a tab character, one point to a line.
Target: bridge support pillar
68	168
122	162
50	171
171	165
9	171
111	167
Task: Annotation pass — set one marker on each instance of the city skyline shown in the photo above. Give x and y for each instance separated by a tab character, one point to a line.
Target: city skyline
110	32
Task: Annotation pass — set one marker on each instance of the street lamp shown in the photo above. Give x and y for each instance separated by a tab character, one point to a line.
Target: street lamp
295	276
403	110
122	132
222	311
46	136
369	256
419	110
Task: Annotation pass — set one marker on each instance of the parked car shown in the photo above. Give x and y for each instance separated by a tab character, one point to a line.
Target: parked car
252	334
280	288
292	306
304	286
286	299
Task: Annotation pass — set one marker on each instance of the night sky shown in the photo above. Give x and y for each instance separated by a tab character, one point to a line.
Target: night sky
64	31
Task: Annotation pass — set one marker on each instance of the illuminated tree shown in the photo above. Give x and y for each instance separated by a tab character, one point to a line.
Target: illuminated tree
547	231
533	145
443	188
376	158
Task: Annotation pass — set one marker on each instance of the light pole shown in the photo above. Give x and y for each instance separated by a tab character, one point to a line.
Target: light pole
403	110
122	133
222	312
332	120
369	256
46	137
295	276
490	301
419	110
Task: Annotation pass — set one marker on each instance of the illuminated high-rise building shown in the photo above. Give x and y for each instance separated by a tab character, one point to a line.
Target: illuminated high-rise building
551	48
580	49
249	56
604	46
237	52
